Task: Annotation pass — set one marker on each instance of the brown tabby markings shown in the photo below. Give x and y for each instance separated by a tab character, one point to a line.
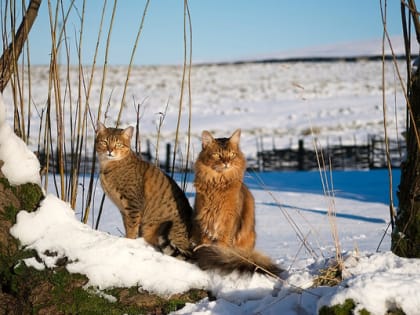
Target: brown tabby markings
224	206
151	203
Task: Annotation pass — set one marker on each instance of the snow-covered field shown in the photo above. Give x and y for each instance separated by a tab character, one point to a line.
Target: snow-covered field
279	103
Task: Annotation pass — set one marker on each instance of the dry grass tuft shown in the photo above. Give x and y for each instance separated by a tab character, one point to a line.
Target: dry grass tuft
330	276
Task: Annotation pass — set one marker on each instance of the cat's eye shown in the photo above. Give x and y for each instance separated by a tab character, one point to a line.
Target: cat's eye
232	155
216	156
103	142
119	145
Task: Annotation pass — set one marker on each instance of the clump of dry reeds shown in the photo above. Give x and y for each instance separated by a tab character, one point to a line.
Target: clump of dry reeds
67	122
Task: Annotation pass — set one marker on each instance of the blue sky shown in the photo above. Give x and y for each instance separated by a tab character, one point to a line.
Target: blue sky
222	29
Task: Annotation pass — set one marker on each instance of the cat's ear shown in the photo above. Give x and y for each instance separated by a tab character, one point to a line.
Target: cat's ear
100	128
206	138
128	132
234	138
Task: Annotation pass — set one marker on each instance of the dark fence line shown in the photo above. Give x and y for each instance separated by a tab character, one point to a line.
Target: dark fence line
312	59
371	155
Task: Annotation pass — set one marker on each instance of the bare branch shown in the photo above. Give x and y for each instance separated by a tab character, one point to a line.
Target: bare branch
10	56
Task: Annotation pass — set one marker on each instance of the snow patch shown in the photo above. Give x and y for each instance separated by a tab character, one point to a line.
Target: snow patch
20	164
110	261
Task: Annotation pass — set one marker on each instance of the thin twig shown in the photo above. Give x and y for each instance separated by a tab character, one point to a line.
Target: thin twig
184	180
392	212
289	219
133	52
98	116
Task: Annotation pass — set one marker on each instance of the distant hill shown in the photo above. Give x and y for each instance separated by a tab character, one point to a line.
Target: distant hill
347	51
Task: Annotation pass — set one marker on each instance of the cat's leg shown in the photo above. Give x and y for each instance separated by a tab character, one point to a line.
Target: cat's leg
151	233
203	234
245	238
226	225
132	221
225	234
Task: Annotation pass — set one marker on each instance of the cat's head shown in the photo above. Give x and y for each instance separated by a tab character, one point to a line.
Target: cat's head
222	154
112	143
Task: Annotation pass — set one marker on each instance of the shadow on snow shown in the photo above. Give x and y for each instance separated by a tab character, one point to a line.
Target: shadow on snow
324	212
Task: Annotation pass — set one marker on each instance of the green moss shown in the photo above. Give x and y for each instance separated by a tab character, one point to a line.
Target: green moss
10	213
5	183
341	309
58	291
70	297
173	305
347	308
12	270
150	303
396	311
30	196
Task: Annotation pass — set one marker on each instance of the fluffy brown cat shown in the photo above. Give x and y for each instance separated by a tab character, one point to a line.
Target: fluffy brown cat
224	209
151	203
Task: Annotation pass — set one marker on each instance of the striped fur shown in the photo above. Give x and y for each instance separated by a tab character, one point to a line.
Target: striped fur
151	203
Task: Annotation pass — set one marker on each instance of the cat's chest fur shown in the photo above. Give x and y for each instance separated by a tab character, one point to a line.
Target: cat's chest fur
121	181
215	195
216	202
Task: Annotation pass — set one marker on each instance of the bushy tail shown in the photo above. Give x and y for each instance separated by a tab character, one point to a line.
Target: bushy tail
227	259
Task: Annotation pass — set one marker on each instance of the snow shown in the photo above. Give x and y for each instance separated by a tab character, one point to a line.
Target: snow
20	165
108	261
274	104
376	281
383	275
271	102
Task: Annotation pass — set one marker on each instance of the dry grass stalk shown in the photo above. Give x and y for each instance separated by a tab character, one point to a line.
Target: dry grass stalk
159	125
130	65
384	111
330	196
188	145
98	117
186	64
60	135
138	119
298	231
87	111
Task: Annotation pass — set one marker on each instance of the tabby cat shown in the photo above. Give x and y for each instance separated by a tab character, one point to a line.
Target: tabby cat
224	219
151	203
